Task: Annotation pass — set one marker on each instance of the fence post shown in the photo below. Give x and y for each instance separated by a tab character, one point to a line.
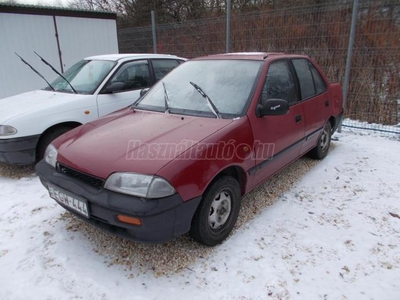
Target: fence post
228	26
349	56
153	29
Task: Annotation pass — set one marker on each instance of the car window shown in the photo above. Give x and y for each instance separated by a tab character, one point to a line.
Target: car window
163	66
319	82
85	76
303	71
279	83
135	75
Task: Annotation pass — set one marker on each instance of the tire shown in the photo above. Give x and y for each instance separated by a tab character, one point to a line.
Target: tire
217	212
47	138
321	150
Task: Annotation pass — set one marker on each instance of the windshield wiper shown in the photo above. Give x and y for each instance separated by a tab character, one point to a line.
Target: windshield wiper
58	73
165	98
211	105
34	70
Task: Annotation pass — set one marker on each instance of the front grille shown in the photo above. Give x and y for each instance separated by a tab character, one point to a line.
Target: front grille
89	179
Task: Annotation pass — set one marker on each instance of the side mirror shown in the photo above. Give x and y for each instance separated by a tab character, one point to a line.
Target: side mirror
272	107
114	87
144	91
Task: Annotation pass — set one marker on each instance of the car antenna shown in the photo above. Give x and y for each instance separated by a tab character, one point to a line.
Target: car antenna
34	70
58	73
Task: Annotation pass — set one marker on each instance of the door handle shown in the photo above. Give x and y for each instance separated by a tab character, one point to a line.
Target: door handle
298	118
327	103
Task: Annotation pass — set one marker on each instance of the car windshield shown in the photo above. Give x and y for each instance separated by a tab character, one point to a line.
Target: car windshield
85	76
228	85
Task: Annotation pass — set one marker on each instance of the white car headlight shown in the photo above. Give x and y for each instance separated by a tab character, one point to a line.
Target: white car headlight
7	130
139	185
50	156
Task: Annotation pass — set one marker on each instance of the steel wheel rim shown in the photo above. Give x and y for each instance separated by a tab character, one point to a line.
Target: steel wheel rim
324	140
220	210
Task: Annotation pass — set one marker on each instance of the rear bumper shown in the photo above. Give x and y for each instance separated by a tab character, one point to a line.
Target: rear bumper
19	151
162	219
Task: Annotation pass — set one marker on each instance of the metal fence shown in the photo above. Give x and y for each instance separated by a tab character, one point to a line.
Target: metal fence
320	31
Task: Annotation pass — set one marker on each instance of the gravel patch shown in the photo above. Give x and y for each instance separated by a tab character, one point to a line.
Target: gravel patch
134	257
16	172
179	254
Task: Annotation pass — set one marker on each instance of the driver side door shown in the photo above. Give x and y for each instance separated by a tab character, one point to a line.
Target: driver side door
124	87
278	139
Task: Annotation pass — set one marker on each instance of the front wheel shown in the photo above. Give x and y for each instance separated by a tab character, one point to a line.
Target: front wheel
321	150
47	138
217	212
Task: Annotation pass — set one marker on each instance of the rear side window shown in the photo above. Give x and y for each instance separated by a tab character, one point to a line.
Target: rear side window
163	66
305	78
311	81
279	83
320	84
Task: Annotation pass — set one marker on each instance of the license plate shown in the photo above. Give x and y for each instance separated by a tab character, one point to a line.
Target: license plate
75	203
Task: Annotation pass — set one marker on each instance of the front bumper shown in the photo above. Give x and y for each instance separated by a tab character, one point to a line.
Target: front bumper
162	219
19	151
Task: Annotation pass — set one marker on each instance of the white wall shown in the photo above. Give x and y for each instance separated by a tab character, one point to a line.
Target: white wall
83	37
23	33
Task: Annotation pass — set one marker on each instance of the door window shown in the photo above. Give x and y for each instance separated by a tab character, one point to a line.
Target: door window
311	82
163	66
279	83
305	78
320	84
135	75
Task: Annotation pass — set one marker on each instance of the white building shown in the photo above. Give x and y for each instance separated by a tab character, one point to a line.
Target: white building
61	36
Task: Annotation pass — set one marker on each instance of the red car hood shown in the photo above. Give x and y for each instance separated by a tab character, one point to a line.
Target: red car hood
133	141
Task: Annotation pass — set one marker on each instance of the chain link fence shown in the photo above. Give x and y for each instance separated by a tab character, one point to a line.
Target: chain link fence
320	31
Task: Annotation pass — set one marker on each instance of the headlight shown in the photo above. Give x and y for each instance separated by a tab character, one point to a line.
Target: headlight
139	185
7	130
50	156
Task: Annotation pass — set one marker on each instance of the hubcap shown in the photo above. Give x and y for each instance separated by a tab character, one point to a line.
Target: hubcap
220	210
324	140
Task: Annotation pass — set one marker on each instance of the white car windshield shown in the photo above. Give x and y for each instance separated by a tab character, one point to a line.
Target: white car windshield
85	76
228	85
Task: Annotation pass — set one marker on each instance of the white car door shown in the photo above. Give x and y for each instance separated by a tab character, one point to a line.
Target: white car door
124	87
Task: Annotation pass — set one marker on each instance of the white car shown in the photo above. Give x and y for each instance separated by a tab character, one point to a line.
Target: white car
100	85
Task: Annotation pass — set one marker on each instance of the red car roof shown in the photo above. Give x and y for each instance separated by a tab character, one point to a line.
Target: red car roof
246	55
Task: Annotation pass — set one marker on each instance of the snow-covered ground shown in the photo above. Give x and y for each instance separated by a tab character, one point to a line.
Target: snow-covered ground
328	230
361	127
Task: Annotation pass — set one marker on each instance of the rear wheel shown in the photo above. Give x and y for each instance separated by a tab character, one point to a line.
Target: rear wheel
217	212
321	150
47	138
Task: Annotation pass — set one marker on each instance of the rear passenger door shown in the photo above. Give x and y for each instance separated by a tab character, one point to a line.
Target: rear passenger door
315	99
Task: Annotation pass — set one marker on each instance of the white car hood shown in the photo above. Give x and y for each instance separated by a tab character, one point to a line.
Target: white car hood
31	101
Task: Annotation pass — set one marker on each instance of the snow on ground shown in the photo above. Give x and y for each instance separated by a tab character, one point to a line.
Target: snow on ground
361	127
333	234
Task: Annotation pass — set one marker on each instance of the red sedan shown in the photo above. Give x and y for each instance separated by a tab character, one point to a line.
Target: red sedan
180	158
